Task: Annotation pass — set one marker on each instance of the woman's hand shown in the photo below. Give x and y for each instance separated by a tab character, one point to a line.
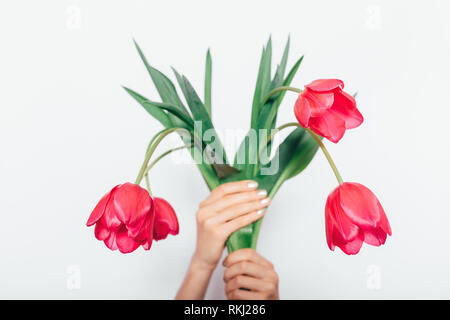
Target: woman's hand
228	208
249	276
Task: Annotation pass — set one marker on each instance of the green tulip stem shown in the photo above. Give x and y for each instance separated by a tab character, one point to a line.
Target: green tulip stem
154	142
257	226
147	182
276	90
327	155
163	155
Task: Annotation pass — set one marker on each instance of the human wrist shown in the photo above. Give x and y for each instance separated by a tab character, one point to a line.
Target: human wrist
200	265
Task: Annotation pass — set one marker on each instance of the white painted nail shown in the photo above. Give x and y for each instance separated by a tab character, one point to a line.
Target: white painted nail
260	212
252	185
264	201
262	193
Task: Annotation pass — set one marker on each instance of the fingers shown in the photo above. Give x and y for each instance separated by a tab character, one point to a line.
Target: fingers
249	269
240	209
229	188
249	276
239	222
240	294
246	282
232	200
246	255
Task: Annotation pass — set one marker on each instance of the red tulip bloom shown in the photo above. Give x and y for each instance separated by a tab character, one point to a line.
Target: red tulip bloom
326	109
124	218
165	220
354	215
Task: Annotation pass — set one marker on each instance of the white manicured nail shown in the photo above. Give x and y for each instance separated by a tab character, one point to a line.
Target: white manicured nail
252	185
260	212
264	201
262	193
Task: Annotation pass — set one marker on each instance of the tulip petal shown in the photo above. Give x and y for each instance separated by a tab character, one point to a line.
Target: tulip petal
345	106
360	205
132	203
321	85
345	229
146	230
353	246
109	218
101	232
375	237
110	241
340	230
165	220
125	243
135	231
329	225
384	223
147	245
329	126
319	103
99	209
302	111
161	230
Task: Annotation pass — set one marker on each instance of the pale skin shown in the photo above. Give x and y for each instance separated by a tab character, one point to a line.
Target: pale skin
247	275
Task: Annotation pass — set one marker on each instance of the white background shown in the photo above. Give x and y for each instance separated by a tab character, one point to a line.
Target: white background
69	133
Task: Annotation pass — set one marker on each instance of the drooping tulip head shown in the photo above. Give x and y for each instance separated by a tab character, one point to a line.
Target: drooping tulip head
166	221
326	109
354	215
124	218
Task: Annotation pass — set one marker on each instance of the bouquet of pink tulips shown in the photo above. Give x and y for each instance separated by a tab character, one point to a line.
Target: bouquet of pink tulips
130	216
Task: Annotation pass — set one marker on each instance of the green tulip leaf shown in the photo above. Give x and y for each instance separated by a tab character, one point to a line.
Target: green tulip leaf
208	73
155	111
164	86
200	113
281	68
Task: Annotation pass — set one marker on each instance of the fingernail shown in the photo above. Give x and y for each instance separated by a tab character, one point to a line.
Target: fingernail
260	212
264	201
262	193
252	185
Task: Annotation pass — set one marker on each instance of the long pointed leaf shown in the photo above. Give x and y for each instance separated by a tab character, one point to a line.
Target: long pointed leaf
173	110
281	68
208	72
164	86
270	109
287	81
261	88
257	93
267	115
265	85
199	112
156	112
